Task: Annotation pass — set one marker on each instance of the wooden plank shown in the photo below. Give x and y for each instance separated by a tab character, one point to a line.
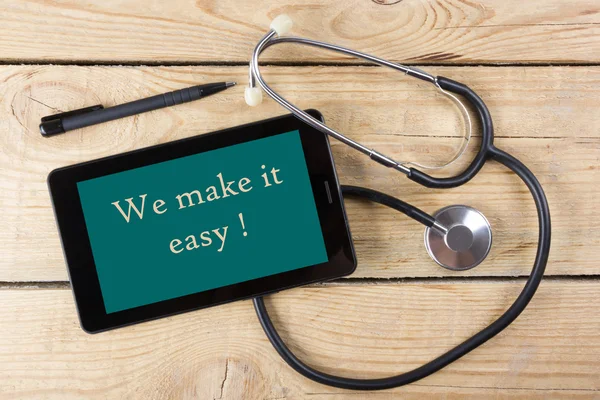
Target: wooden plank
449	31
552	350
542	115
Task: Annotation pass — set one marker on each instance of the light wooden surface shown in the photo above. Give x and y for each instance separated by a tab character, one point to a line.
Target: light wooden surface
352	330
417	31
399	309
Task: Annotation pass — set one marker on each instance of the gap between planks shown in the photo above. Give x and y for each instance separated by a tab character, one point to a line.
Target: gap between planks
44	285
349	63
387	395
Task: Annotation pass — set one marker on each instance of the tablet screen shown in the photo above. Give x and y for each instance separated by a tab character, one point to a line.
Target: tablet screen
202	222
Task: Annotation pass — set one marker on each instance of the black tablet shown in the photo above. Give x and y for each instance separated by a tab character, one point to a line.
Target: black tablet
201	221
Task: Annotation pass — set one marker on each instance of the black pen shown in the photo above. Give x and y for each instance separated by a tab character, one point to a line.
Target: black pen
67	121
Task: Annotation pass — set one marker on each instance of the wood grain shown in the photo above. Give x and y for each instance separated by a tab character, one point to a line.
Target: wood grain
545	115
542	115
448	31
552	350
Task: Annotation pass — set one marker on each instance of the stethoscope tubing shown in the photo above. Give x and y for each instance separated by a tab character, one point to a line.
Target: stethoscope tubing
486	147
465	347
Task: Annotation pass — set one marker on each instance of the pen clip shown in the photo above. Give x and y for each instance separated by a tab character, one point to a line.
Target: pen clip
79	111
52	124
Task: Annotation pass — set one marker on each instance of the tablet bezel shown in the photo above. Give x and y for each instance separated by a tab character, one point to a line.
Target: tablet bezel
93	318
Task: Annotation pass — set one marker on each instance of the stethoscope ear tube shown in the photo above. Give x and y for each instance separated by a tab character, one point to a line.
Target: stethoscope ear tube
487	140
253	97
465	347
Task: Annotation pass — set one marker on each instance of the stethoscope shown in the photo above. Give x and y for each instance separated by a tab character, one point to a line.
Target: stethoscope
457	237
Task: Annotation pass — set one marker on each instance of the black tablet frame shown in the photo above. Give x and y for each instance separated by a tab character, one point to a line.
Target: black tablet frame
62	183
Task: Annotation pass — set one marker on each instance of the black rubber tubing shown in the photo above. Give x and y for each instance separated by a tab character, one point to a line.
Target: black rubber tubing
465	347
487	141
392	202
487	150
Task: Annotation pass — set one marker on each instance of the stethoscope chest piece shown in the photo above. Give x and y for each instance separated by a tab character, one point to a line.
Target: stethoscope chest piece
467	242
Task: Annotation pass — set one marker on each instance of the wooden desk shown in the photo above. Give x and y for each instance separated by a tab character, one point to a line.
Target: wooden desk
536	65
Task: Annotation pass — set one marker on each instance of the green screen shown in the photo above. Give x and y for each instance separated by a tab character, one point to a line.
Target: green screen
201	222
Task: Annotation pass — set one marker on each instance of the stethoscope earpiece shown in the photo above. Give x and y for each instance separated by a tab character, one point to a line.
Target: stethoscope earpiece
253	96
467	239
282	24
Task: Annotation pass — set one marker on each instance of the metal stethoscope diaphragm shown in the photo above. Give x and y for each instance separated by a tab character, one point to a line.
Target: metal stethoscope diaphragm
457	237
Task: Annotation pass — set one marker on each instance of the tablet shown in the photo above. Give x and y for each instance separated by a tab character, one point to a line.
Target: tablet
201	221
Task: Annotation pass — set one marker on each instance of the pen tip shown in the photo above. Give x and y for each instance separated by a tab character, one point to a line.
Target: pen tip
229	84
